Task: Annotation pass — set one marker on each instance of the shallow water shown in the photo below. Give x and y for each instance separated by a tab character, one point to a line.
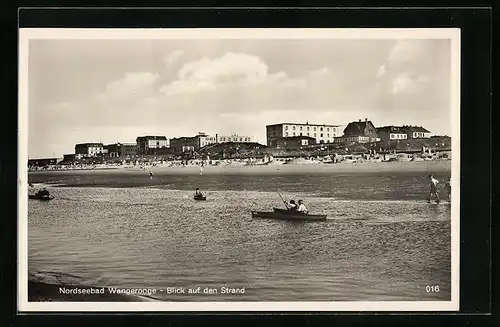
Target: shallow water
381	241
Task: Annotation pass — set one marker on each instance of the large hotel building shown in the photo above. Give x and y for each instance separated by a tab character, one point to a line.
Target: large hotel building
322	133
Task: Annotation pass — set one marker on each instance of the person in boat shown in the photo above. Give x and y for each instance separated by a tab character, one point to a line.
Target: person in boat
197	193
433	189
292	205
43	192
302	208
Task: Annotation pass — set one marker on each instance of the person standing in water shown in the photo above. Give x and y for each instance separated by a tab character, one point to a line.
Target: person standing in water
150	175
433	189
448	189
201	168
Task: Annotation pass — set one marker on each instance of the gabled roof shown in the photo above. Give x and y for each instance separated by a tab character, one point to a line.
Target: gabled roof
357	127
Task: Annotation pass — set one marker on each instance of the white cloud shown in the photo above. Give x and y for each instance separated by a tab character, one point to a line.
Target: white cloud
381	71
408	83
229	70
174	56
401	83
406	51
131	83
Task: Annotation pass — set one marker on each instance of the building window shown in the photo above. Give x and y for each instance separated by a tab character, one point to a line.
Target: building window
328	134
293	127
307	133
300	127
321	135
300	133
315	128
286	127
321	129
328	129
314	134
307	127
293	133
286	134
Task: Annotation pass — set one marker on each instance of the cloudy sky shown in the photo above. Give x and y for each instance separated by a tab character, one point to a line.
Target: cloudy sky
115	90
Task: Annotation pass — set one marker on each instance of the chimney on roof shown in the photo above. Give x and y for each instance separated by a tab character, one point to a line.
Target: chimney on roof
366	119
360	120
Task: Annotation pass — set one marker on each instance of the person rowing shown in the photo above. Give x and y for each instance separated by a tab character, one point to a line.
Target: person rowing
292	206
302	208
197	193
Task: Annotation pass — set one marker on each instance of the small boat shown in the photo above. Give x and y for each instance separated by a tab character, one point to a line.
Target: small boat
286	215
42	195
200	198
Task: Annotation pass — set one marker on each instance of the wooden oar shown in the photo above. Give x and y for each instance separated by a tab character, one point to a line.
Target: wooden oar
286	204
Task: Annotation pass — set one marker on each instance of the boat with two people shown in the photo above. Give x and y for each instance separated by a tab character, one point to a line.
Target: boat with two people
42	195
198	196
292	212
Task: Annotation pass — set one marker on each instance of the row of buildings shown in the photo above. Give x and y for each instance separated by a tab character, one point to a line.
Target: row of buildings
282	135
152	144
287	135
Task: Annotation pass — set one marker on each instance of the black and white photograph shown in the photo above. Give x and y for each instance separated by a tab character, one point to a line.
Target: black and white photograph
239	169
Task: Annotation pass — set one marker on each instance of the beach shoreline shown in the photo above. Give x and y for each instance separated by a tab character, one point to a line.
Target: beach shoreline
367	166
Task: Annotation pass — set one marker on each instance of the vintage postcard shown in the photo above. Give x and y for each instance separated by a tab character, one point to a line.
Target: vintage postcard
239	169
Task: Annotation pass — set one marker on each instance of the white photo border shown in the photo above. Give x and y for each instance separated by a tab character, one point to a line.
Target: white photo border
27	34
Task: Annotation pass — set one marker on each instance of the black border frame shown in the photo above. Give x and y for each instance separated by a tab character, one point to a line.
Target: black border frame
476	127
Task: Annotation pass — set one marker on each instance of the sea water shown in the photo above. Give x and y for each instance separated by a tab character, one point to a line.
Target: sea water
381	241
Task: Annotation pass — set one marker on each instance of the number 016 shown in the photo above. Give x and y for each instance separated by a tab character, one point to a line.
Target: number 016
432	289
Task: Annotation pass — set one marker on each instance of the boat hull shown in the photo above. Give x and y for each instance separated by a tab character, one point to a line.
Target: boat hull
200	198
41	198
286	216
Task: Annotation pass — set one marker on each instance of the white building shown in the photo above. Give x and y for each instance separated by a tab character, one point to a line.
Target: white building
89	149
321	132
233	138
151	144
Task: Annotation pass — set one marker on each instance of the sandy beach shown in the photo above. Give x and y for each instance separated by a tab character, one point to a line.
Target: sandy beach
291	168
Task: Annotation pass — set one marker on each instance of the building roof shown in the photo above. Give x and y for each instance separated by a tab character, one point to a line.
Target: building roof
357	127
297	137
150	137
415	129
121	144
391	129
42	159
89	144
306	124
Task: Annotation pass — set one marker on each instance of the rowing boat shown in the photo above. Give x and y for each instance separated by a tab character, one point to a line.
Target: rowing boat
200	198
286	215
42	197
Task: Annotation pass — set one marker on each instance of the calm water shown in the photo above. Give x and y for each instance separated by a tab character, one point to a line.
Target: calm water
382	241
